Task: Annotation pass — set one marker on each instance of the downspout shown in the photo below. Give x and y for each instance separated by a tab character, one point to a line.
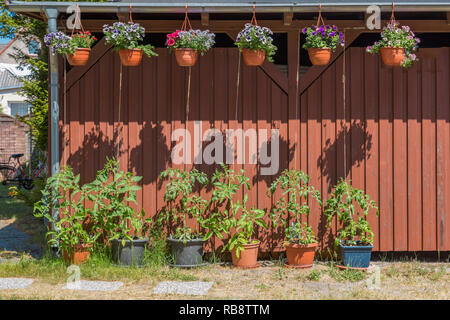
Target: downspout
52	15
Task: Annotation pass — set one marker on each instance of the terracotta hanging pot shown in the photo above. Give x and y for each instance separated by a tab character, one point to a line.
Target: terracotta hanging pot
319	56
78	255
300	256
253	58
130	57
392	56
80	57
186	57
248	258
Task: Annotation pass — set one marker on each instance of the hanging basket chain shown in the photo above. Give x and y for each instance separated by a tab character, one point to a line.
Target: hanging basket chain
186	21
319	18
184	26
188	94
237	84
118	118
253	21
392	20
131	13
77	19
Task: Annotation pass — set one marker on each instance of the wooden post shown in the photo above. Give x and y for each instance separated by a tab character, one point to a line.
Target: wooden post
293	96
287	18
205	19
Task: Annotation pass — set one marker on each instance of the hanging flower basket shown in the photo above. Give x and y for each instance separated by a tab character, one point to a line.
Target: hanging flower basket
80	57
124	37
130	57
321	42
255	43
76	47
392	56
188	44
253	57
397	46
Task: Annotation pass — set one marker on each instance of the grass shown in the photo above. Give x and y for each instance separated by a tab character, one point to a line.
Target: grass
20	215
346	274
401	279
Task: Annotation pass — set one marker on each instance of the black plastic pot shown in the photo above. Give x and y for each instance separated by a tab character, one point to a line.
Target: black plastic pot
187	254
130	253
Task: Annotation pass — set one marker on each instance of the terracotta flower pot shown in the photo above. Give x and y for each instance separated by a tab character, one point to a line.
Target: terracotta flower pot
186	57
247	258
392	56
253	58
300	256
80	57
130	57
78	255
319	56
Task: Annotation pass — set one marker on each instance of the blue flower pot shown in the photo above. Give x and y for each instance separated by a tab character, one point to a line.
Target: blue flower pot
355	256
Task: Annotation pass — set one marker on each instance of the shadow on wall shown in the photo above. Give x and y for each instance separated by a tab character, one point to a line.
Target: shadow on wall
98	145
357	151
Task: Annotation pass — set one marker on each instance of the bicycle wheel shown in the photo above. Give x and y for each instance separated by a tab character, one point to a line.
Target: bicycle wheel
6	174
27	183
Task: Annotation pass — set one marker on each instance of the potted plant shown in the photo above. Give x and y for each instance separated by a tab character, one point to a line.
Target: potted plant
125	38
255	43
76	48
188	44
233	218
354	236
184	203
292	205
320	42
397	45
112	193
63	193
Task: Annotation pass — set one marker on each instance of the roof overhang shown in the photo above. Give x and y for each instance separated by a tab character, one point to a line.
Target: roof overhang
228	6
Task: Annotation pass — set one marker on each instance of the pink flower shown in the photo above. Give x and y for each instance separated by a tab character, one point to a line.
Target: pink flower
170	35
170	42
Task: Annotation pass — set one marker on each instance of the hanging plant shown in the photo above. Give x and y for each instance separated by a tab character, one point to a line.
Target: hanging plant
397	45
188	44
125	38
76	47
255	43
321	42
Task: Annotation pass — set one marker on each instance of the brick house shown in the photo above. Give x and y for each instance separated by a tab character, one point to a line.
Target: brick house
13	137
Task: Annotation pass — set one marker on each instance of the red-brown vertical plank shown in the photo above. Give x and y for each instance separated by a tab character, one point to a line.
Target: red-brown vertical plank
279	106
163	67
414	160
149	136
327	159
249	124
357	126
314	148
264	118
400	161
443	149
371	102
134	112
429	154
386	173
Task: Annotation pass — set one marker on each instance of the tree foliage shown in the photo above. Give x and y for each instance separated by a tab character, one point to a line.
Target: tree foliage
35	86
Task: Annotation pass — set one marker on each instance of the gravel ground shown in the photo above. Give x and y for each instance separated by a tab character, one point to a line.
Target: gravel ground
85	285
14	283
194	288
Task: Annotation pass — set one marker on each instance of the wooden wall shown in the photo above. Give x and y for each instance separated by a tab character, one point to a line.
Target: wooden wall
397	131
